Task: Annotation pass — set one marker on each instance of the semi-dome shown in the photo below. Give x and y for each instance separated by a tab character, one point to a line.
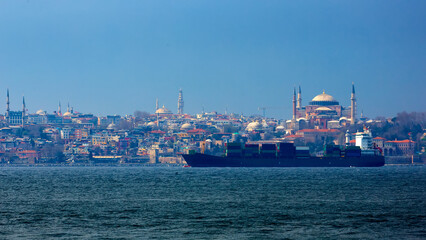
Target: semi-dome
280	128
151	124
324	100
67	114
111	126
323	109
41	112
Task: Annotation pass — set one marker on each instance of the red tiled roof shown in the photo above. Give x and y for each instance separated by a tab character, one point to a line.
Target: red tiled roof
401	141
27	151
379	138
352	141
158	132
197	130
318	130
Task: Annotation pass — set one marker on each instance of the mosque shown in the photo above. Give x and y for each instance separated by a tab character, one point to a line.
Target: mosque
323	112
15	117
163	111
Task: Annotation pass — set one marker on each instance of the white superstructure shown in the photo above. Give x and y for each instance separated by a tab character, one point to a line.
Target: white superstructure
364	140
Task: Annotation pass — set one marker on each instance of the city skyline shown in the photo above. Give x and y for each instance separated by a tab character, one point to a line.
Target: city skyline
115	58
180	103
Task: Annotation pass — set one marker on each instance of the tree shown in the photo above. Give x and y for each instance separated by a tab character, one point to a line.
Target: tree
125	125
53	152
140	115
33	131
403	126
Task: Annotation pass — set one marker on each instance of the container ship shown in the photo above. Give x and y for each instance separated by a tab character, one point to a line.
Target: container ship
285	154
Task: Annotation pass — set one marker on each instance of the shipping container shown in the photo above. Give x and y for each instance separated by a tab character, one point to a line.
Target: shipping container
233	146
302	152
268	146
286	150
354	154
251	150
353	148
268	150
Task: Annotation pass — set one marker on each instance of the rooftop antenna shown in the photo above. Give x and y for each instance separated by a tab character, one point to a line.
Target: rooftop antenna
263	110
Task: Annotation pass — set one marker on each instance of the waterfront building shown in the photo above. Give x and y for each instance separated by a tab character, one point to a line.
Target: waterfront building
399	147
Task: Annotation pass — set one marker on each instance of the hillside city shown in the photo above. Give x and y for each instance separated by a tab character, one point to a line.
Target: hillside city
68	137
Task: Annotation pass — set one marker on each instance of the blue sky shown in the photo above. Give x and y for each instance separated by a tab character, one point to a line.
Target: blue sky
115	57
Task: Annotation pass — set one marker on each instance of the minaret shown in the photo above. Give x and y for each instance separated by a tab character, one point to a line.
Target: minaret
180	102
23	110
68	107
156	104
59	109
347	136
353	105
7	107
294	104
299	98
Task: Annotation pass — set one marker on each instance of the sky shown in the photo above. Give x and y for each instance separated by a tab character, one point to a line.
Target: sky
115	57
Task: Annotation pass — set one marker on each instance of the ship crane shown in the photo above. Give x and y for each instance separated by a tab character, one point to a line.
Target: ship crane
263	109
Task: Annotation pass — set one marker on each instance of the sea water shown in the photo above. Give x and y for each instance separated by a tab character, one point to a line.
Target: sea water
212	203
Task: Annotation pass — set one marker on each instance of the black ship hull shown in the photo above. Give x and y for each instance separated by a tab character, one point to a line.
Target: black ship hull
204	160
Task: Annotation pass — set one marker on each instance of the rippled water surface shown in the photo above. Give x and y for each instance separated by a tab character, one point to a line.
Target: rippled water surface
191	203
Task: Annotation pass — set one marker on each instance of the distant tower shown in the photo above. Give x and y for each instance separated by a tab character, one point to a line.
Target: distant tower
68	107
59	109
180	102
156	104
294	104
7	107
299	98
353	105
23	110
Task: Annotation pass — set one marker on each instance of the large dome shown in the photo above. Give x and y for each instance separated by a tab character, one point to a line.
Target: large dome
253	126
324	100
163	110
186	126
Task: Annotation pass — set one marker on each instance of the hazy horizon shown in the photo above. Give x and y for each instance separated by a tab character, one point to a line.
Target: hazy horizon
114	57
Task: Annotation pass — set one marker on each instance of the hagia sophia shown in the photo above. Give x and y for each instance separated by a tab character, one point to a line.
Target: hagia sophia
323	112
